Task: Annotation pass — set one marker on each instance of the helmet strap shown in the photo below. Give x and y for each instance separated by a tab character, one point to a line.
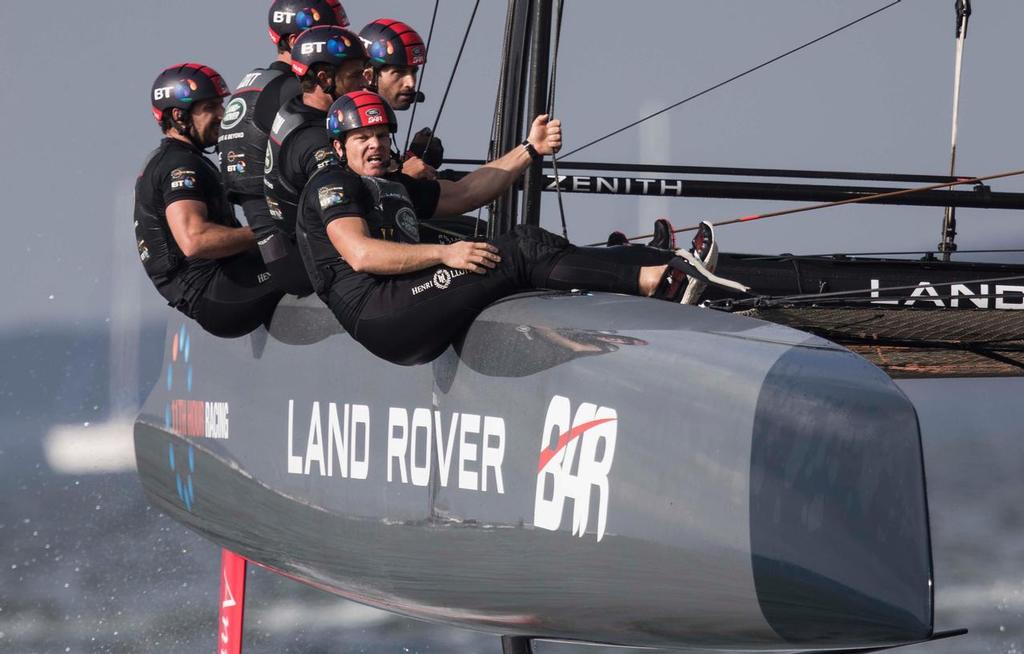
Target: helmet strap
330	86
187	129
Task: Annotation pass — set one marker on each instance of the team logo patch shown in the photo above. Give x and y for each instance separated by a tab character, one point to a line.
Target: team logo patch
331	196
236	162
442	279
184	89
408	223
182	178
307	18
324	157
268	160
338	47
233	114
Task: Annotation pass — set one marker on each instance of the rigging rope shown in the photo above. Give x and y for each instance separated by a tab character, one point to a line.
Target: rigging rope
858	295
733	78
419	82
963	12
551	112
825	255
451	78
826	205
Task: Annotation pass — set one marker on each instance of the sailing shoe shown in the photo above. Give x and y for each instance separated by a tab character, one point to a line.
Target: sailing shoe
672	285
705	250
664	236
617	238
700	277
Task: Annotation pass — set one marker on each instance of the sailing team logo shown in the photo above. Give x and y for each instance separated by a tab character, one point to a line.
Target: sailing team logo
583	442
188	417
183	471
307	18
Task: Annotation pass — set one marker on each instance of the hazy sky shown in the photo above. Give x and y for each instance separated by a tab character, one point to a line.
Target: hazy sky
877	97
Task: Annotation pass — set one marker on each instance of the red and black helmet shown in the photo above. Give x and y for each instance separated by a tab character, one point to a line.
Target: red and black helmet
326	44
359	109
183	85
391	42
295	16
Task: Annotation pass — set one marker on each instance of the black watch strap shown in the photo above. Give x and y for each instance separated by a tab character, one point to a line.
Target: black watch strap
532	151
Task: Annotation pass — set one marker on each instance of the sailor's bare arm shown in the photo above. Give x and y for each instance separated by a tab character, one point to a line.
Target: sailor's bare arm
493	178
351	237
198	237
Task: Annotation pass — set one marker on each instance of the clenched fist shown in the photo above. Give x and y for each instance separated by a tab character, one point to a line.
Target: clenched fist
545	135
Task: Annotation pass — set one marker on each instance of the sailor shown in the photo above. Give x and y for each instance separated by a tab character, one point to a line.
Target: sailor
406	301
396	52
251	109
199	257
329	62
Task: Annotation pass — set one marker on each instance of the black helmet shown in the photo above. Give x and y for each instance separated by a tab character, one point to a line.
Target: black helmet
359	109
294	16
393	43
183	85
325	45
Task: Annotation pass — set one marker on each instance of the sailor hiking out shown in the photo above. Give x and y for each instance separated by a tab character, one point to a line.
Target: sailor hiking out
396	54
257	98
199	257
407	301
329	62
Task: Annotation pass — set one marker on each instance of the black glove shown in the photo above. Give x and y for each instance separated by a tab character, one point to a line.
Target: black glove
431	153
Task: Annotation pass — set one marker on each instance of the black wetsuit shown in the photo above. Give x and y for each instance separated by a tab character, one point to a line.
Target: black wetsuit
228	297
412	318
243	137
297	148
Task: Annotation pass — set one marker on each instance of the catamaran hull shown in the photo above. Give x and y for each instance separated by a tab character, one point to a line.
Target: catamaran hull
583	467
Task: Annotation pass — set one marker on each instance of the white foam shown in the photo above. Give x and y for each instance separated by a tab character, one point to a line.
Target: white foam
1001	595
90	448
284	615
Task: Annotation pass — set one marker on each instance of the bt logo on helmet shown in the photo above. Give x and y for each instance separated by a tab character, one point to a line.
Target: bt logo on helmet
381	49
283	17
335	121
307	18
182	91
313	47
338	46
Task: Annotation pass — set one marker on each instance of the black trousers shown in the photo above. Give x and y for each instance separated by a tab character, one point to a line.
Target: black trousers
238	299
279	252
411	319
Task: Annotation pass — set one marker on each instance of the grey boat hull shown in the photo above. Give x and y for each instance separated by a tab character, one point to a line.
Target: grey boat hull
584	467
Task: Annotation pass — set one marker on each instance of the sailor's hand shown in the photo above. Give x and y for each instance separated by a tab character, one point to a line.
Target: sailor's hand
415	167
546	135
427	147
473	256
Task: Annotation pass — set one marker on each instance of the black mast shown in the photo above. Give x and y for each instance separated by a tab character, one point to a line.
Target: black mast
509	108
540	57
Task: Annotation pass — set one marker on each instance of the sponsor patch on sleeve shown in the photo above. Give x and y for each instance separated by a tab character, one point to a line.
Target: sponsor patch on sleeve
183	178
324	157
331	196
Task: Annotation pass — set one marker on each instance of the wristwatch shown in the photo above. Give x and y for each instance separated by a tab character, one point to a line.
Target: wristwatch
532	151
